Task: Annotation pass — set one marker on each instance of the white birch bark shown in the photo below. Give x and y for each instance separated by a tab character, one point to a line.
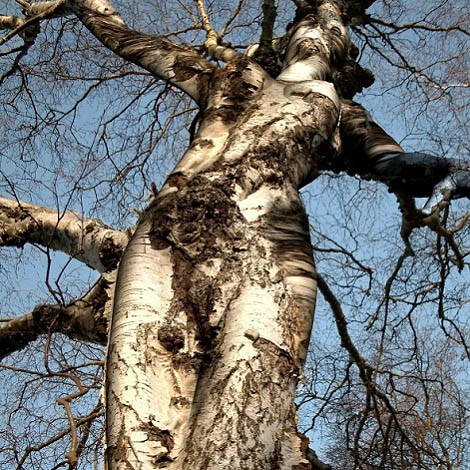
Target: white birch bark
87	240
146	391
229	291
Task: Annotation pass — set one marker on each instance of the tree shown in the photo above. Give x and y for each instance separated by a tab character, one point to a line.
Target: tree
207	303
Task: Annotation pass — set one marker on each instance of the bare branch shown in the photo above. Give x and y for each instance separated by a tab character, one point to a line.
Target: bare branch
213	40
416	25
366	371
79	422
87	240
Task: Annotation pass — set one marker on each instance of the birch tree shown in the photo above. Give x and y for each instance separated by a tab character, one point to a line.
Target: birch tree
206	302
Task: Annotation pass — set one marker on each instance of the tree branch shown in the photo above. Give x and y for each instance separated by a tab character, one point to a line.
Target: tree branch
366	371
213	40
318	45
96	413
368	151
11	22
87	240
85	319
28	30
356	8
181	66
265	54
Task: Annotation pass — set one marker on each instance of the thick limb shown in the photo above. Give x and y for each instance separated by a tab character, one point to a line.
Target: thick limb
87	240
423	175
181	66
85	319
317	45
367	146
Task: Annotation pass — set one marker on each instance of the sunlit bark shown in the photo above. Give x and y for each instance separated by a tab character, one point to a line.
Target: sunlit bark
87	240
216	331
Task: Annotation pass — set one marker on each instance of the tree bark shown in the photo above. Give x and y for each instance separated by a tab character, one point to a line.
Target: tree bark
87	240
207	347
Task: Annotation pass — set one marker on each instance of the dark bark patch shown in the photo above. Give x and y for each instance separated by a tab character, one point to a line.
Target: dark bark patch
186	361
13	241
307	48
180	402
352	78
194	295
159	244
161	223
17	214
17	340
185	68
235	89
287	226
200	222
171	338
101	329
110	254
285	364
177	180
269	59
202	143
164	437
201	212
302	466
45	315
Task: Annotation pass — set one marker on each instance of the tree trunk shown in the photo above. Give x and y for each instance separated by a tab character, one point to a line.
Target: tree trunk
216	291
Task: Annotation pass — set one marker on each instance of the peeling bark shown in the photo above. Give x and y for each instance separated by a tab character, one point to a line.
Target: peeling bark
223	331
206	350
